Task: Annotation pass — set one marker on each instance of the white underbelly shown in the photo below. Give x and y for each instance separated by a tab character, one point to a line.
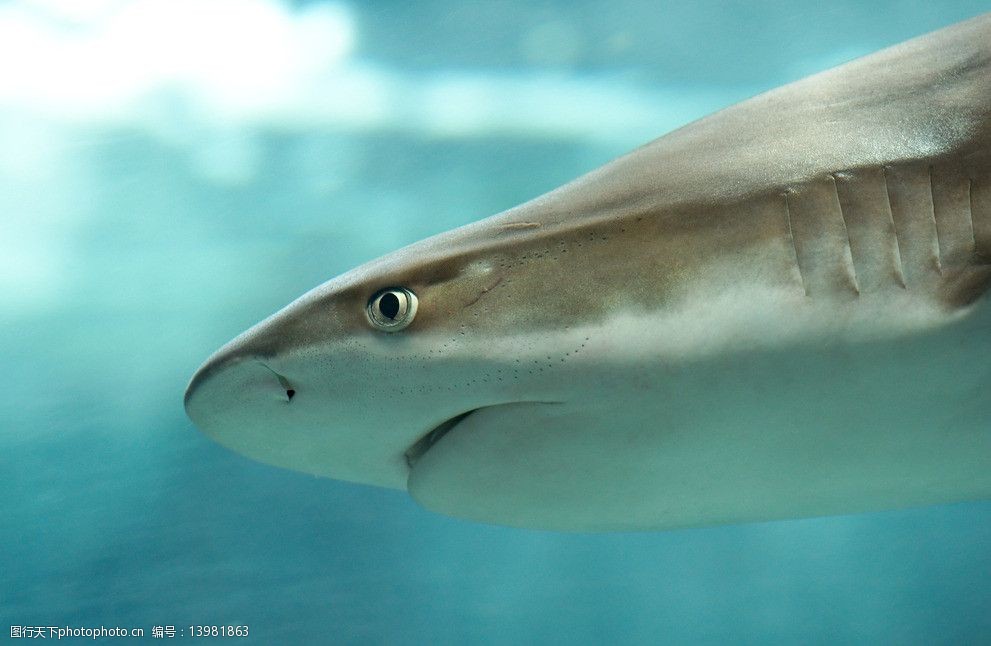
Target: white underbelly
841	423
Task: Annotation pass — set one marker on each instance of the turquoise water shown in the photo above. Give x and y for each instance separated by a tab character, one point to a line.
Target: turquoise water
172	172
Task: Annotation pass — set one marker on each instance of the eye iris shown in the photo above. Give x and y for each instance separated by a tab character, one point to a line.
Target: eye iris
391	310
389	305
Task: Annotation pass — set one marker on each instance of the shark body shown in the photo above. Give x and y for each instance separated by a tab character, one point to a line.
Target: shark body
777	311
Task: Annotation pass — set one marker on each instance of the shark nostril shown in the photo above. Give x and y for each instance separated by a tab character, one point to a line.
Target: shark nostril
283	382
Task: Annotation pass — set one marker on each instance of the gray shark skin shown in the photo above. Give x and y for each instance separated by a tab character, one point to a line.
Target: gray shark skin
778	311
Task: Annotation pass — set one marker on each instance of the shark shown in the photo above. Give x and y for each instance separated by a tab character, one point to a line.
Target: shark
778	311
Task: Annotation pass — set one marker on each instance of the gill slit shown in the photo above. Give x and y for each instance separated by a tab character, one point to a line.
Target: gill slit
900	267
935	227
794	244
970	215
846	229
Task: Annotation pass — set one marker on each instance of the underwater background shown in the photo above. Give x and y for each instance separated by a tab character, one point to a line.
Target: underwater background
173	171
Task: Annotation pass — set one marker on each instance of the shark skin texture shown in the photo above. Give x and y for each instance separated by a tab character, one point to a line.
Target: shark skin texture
777	311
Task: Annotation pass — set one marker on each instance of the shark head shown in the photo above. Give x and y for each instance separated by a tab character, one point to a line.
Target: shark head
773	312
355	379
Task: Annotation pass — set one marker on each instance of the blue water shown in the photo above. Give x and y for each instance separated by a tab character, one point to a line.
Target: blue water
160	193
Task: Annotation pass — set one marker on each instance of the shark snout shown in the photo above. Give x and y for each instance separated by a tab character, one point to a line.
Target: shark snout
237	400
235	381
252	353
225	359
311	410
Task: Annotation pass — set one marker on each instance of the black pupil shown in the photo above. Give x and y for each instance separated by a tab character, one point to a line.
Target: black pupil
389	305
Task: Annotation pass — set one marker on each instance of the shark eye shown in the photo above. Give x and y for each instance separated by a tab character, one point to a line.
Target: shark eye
392	309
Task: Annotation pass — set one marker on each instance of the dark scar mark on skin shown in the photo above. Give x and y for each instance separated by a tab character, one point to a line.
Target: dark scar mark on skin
484	291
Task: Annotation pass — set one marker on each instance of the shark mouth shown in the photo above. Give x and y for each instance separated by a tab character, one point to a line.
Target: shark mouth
434	435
